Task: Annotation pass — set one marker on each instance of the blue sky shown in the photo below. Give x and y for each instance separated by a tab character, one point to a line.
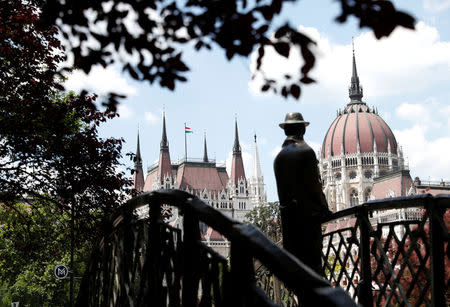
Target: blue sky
406	76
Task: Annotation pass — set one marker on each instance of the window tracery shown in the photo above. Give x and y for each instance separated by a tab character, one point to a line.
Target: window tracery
367	194
354	198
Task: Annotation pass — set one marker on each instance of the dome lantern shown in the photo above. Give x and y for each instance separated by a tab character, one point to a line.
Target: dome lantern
355	91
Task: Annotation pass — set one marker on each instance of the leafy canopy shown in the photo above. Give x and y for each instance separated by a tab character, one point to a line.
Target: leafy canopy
155	33
49	143
34	237
267	218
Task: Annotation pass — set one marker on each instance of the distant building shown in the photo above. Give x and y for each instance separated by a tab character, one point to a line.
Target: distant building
358	147
234	195
360	158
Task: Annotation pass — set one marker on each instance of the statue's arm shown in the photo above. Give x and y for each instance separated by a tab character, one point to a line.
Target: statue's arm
316	186
283	176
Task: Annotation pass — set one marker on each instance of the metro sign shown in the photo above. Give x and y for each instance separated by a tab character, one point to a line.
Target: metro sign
60	271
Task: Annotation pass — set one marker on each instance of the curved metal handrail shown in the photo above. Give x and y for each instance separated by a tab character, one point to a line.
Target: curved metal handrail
247	242
391	203
379	255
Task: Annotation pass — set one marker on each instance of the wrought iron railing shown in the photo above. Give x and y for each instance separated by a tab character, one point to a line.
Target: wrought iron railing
398	262
147	262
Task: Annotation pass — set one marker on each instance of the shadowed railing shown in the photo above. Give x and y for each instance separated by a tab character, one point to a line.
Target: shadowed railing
146	262
391	252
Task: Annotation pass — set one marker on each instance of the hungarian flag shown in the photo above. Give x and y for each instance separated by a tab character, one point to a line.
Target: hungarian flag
188	130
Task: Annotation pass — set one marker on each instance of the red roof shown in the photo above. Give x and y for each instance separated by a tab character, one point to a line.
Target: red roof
200	176
356	124
213	235
350	223
398	182
223	175
351	134
138	179
164	166
237	168
149	181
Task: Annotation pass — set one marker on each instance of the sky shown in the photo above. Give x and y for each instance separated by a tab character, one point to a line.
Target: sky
405	76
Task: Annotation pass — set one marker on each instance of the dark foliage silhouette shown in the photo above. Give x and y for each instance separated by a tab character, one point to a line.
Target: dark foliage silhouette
49	143
156	31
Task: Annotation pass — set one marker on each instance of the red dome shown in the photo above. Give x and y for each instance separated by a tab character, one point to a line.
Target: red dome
358	124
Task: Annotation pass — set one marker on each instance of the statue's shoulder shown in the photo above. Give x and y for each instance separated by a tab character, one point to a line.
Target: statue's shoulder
300	146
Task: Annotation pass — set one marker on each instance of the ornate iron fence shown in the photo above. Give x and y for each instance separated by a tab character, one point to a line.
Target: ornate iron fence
146	262
391	252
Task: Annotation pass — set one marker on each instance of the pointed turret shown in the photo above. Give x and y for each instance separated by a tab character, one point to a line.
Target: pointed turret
164	142
138	158
138	173
237	165
205	151
355	90
256	165
164	166
236	146
257	180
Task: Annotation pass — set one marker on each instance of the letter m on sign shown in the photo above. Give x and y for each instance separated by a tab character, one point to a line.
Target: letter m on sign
61	271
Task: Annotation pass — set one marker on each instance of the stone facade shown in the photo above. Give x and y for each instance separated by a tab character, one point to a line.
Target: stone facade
234	195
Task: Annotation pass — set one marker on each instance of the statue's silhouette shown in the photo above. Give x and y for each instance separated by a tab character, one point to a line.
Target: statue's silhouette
302	202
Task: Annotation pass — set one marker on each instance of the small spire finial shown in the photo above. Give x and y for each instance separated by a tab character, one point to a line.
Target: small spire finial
256	164
164	143
355	90
205	151
236	146
138	174
353	46
138	158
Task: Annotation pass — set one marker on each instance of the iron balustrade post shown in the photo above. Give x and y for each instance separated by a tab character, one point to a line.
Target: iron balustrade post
155	294
191	252
242	275
438	287
365	285
72	247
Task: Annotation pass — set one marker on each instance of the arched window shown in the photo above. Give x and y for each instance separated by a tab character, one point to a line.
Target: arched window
337	176
367	194
354	198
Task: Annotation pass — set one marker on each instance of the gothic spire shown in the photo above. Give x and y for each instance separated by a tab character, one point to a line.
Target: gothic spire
164	143
205	152
164	164
138	173
256	164
236	146
355	90
237	165
138	158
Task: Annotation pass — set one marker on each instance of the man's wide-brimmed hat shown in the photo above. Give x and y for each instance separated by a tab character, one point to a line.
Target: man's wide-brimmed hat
293	118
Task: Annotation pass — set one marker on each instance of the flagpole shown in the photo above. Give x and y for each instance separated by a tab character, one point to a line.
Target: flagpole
185	144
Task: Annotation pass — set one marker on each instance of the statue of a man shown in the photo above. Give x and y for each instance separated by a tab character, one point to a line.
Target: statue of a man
302	202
